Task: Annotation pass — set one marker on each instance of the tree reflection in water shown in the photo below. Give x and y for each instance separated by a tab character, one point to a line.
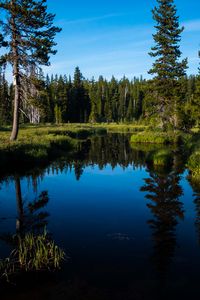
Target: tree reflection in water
163	190
30	217
111	149
196	188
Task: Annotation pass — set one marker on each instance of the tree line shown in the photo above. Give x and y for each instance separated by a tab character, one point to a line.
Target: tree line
62	99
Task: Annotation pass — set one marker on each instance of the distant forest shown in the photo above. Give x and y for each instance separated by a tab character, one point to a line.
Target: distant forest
62	99
171	99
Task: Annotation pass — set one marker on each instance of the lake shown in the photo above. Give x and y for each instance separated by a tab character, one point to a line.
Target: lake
130	230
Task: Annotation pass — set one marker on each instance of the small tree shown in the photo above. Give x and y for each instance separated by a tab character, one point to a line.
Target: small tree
29	36
167	67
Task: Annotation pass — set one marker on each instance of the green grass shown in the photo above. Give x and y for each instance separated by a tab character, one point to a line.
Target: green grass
40	144
158	137
33	253
124	128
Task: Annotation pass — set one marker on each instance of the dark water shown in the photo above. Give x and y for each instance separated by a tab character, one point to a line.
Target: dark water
131	230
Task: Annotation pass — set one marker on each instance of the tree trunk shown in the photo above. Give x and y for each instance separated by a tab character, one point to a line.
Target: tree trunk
15	126
16	76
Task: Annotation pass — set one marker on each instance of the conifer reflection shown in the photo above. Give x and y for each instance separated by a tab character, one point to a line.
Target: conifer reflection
30	217
111	149
163	190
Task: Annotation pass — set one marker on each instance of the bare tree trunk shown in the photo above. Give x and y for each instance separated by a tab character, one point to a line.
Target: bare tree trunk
175	116
15	127
16	77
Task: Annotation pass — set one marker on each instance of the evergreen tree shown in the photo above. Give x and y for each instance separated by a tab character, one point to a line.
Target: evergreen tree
5	101
114	98
93	99
77	99
58	114
79	104
124	95
101	95
168	68
196	103
29	33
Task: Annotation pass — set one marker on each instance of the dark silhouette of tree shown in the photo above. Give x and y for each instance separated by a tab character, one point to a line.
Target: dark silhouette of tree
163	190
30	217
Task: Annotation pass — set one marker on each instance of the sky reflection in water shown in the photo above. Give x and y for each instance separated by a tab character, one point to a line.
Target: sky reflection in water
120	220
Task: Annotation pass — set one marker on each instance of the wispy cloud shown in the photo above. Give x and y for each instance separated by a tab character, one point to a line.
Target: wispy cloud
119	36
87	20
112	62
192	25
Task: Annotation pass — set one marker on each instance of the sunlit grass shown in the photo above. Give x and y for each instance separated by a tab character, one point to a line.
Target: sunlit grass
153	138
159	137
42	143
32	253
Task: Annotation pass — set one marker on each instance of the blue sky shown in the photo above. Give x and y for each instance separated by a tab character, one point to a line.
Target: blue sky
110	37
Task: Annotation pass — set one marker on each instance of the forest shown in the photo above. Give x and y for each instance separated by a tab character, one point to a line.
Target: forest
63	99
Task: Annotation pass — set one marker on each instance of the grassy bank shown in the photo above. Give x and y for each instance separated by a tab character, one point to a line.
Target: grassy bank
159	137
41	144
188	143
37	143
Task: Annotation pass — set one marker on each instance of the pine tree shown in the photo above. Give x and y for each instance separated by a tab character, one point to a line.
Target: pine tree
196	103
29	33
80	105
58	114
93	100
101	95
168	68
191	113
5	101
124	96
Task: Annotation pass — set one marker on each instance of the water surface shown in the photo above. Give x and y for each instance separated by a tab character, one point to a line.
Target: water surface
131	230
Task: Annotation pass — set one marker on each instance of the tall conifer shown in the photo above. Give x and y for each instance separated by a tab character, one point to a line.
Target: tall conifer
167	68
29	36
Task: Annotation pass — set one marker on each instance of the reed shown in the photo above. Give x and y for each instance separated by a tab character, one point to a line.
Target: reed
32	254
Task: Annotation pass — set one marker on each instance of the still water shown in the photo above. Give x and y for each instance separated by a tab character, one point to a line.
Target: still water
130	230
